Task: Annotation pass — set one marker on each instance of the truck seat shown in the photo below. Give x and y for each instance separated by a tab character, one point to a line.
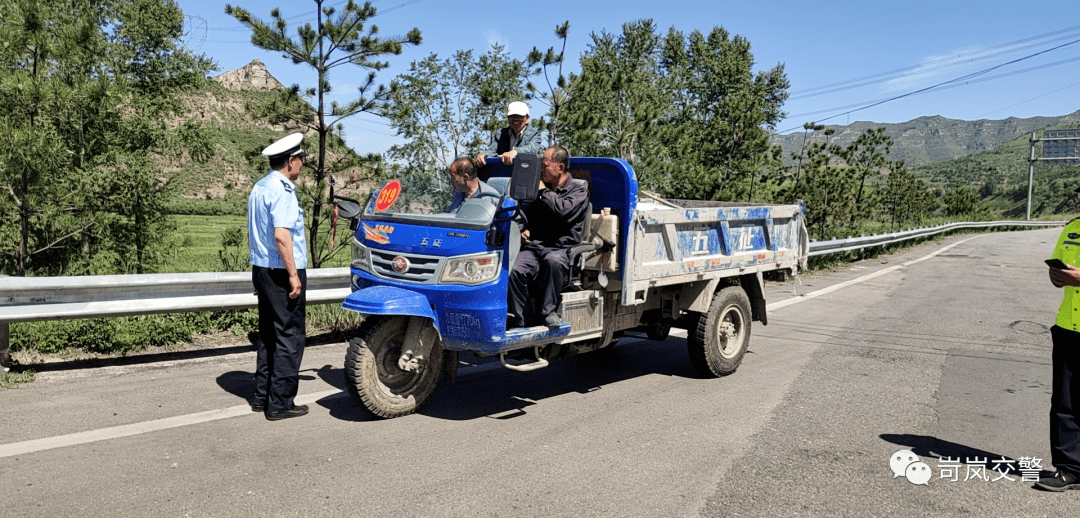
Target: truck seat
499	183
578	252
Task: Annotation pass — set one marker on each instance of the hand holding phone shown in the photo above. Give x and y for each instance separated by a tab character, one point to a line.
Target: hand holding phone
1056	263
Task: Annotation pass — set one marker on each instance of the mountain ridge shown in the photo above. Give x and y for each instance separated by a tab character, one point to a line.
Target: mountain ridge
931	139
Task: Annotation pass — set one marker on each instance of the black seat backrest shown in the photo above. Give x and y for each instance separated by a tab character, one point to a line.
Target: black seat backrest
586	232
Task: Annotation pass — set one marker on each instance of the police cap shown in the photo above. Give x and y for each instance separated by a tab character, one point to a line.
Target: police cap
286	146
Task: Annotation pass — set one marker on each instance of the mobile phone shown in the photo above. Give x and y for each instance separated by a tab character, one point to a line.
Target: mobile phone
1055	263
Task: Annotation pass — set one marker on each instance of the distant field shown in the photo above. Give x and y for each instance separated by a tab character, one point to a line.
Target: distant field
198	241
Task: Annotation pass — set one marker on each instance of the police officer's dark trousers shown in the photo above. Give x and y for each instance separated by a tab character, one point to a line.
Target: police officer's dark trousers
1064	426
281	337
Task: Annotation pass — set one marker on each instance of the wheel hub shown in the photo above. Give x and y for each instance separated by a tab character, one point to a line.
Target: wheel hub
392	376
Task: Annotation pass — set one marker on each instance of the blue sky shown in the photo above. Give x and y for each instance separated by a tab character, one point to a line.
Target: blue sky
961	60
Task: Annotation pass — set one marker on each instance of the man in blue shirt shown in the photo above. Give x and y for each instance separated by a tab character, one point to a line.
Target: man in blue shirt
466	185
278	271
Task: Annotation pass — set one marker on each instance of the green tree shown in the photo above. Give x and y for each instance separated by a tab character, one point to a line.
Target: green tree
807	129
961	201
688	109
867	156
557	94
338	39
725	110
907	199
446	108
85	98
618	99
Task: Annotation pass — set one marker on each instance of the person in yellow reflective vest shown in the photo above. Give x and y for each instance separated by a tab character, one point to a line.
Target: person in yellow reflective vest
1065	398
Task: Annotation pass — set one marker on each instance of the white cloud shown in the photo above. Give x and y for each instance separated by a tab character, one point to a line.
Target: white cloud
494	37
935	69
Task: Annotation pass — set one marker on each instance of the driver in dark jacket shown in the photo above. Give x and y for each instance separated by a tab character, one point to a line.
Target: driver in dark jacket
556	221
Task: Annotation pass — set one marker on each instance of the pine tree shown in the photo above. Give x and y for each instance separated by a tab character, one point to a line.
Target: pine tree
338	39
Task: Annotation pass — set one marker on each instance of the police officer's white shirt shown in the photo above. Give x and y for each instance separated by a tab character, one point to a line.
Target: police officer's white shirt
273	204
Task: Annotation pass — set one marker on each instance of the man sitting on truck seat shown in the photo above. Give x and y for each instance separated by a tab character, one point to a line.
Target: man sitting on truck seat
517	137
466	185
556	221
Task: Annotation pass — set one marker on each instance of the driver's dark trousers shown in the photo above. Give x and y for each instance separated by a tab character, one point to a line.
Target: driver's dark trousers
535	282
280	347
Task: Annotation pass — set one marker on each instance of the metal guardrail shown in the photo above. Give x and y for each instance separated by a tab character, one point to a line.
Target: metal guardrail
851	244
27	299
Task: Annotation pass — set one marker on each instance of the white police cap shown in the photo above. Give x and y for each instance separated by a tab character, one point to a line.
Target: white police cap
286	146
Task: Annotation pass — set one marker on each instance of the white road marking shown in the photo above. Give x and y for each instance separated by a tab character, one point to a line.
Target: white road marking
835	287
73	439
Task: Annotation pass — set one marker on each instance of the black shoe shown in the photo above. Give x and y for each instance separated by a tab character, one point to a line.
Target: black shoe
258	407
295	411
553	320
1061	481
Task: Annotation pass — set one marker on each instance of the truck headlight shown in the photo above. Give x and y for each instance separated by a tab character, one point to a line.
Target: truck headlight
361	257
471	269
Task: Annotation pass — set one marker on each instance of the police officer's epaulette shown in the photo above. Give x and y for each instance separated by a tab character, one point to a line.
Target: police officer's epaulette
288	187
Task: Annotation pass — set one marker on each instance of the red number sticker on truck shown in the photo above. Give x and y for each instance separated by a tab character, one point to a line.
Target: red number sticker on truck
387	196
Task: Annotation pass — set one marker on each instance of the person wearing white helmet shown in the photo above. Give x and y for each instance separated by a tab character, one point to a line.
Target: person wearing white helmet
278	271
518	137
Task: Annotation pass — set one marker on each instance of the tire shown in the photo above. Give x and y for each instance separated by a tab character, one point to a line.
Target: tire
718	341
609	348
372	374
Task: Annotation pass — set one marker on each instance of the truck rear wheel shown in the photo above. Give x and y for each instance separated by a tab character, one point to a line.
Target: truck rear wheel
719	338
373	377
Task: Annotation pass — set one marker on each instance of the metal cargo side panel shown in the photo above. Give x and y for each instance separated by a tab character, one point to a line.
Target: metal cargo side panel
585	311
671	245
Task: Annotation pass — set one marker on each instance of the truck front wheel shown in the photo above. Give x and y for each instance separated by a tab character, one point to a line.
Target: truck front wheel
718	339
373	377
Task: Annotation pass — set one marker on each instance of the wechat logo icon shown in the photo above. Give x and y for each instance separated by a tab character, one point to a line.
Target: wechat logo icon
905	463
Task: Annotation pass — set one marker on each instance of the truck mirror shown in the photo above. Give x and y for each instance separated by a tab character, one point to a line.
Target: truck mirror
525	179
347	208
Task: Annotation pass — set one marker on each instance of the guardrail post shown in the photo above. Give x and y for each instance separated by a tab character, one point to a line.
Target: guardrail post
5	353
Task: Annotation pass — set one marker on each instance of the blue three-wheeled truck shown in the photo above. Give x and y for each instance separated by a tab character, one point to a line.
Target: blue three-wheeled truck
432	285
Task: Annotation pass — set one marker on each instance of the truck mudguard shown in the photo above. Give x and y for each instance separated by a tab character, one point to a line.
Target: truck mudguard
388	300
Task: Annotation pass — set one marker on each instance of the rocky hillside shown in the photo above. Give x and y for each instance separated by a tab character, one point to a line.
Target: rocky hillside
928	140
221	184
252	77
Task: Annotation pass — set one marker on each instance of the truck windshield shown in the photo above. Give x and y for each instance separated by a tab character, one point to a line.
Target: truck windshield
426	203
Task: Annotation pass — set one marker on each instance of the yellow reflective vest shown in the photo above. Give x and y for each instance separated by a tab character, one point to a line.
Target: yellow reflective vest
1068	250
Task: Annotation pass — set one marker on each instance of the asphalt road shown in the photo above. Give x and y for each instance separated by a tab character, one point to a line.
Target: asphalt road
947	356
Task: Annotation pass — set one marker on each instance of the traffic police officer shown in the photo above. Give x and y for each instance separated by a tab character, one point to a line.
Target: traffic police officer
278	271
1065	397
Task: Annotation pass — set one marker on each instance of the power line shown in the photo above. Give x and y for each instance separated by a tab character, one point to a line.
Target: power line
310	16
941	84
1031	99
933	65
965	83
